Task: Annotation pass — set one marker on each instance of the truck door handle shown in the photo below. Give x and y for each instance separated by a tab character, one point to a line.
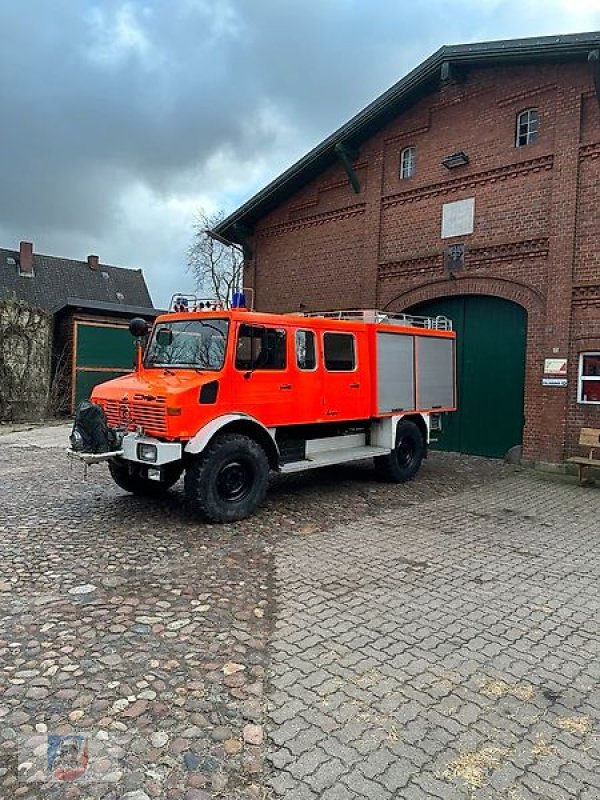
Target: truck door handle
285	386
355	385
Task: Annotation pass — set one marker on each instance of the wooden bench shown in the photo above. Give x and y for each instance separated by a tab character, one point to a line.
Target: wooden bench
588	437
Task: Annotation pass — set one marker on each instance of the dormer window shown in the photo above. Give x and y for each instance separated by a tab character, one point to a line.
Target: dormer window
527	127
408	162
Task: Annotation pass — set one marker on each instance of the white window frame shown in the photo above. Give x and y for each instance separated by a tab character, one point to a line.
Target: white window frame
581	378
408	162
533	127
316	345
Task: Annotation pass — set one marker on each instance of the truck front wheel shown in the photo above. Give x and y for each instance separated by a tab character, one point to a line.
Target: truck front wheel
136	483
404	461
229	480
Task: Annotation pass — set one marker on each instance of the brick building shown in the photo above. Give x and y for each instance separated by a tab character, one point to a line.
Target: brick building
469	188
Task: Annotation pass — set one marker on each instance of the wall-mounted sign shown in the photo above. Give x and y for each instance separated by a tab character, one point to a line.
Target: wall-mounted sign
555	366
454	257
554	381
458	217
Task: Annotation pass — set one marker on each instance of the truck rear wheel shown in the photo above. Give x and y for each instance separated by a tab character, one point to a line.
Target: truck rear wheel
137	484
403	463
229	480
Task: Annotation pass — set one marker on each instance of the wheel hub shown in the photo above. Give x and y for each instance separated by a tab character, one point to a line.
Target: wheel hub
405	451
234	480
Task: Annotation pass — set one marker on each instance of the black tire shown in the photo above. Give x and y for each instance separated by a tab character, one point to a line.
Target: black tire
403	463
136	483
229	480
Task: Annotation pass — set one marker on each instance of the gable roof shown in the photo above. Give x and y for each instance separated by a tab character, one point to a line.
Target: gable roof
55	280
421	80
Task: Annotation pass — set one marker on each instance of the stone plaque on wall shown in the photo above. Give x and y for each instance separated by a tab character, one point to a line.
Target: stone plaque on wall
458	218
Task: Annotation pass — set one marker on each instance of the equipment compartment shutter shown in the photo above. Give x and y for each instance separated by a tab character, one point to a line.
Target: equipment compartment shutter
395	372
435	370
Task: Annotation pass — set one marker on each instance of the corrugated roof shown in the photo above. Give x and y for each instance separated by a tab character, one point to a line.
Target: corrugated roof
422	79
79	304
56	279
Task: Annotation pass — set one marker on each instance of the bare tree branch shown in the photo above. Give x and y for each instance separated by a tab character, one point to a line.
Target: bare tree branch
216	268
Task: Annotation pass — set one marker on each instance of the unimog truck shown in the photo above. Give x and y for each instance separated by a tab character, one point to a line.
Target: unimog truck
226	396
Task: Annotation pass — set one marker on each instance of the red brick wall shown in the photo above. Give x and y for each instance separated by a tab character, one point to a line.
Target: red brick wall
536	237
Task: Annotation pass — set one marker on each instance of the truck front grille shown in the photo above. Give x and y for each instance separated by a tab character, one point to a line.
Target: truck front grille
152	417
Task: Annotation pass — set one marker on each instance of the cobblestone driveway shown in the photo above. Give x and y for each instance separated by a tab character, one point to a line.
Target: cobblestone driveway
441	649
449	649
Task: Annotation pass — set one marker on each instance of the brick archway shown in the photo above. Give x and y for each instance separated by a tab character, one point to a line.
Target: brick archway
520	293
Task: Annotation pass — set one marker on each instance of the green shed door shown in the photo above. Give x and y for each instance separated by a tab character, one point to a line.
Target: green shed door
101	352
491	343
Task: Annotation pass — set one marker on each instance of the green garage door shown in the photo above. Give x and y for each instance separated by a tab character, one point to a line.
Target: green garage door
102	352
491	342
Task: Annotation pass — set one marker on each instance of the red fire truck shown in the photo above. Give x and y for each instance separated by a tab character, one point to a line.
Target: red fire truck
228	395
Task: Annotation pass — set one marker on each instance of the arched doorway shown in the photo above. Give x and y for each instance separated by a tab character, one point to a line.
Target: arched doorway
491	346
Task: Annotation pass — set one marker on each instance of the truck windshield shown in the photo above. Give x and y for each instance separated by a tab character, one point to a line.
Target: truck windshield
192	344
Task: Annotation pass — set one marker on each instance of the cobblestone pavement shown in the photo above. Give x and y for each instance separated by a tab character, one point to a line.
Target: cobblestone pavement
127	622
444	649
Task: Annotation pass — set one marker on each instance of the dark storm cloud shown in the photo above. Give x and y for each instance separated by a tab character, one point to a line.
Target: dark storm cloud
107	103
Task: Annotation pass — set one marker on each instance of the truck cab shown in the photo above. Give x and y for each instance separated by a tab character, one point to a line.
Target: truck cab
226	395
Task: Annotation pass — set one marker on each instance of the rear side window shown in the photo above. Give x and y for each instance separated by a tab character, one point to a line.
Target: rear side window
260	348
338	351
306	353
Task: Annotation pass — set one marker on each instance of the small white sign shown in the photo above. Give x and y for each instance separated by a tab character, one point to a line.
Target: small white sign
458	218
555	366
554	381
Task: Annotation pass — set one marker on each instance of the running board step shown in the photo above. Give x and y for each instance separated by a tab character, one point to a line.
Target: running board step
327	458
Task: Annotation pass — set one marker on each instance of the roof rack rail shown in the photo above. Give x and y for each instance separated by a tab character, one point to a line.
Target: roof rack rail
181	301
439	323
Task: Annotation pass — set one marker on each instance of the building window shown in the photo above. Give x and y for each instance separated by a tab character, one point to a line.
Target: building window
260	348
527	127
588	385
408	160
306	354
338	351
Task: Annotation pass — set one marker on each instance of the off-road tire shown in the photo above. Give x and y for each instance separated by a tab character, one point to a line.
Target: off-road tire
403	463
229	480
136	484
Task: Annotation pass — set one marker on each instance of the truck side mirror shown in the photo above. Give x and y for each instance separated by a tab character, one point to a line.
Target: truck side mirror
164	337
138	327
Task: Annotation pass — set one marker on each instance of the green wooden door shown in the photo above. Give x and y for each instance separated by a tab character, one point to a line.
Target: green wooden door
102	352
491	342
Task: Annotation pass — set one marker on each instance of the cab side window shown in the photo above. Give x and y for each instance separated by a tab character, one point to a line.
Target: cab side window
306	351
339	352
259	347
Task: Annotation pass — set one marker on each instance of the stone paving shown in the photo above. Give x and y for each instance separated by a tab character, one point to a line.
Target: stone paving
446	649
123	620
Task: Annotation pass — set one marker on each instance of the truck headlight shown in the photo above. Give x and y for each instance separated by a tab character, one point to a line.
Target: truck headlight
147	452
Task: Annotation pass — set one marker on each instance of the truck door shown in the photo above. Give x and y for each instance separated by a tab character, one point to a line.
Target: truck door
344	395
307	397
261	379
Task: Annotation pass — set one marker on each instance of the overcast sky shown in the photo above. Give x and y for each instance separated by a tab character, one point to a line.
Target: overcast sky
119	119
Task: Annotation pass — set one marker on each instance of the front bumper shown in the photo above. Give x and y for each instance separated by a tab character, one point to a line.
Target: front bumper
166	452
93	458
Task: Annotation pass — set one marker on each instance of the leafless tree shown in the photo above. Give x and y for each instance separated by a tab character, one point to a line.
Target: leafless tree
217	268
